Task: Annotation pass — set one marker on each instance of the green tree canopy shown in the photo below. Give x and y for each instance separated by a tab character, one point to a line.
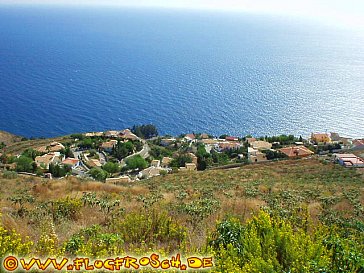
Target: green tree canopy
111	167
145	131
136	162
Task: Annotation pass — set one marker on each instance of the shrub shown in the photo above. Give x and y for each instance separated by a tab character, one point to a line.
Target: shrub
11	243
10	175
151	229
66	208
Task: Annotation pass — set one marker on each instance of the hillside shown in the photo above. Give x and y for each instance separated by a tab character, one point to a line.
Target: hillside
8	138
179	212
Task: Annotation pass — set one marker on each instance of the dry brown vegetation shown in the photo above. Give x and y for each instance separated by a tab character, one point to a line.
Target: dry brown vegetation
326	190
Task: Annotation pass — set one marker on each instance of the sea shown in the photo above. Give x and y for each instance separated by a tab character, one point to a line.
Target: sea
65	70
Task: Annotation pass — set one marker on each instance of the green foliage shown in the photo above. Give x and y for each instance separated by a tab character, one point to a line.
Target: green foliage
111	167
122	149
92	242
65	209
86	143
136	162
67	152
20	199
31	153
270	244
77	136
274	154
180	161
2	145
158	152
145	131
10	175
25	164
282	139
98	174
59	171
151	229
220	158
12	243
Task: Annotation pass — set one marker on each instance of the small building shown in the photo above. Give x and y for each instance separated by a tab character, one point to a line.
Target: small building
261	145
51	158
166	161
94	163
191	166
190	137
109	145
55	147
71	162
231	138
255	155
250	139
165	142
112	134
210	141
150	172
349	160
155	163
223	146
296	152
204	136
127	134
358	144
118	180
320	138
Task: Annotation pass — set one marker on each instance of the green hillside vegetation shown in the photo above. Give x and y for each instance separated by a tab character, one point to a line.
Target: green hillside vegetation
289	216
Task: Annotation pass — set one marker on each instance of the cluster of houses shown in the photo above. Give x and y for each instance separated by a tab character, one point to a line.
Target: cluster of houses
123	134
54	156
256	151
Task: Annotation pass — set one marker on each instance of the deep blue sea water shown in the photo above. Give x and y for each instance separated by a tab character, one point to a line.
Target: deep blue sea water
66	70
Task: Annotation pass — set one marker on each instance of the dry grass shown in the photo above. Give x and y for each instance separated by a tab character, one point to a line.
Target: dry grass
240	192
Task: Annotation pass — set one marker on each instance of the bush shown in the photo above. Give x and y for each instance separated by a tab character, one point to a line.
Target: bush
10	175
98	174
271	244
136	162
66	208
92	242
12	243
151	229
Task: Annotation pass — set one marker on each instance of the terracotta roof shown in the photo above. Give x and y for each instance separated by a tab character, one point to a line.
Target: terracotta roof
70	161
191	136
298	151
358	142
109	144
231	138
228	145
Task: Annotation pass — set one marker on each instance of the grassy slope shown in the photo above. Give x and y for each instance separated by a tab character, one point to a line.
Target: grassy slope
8	138
328	191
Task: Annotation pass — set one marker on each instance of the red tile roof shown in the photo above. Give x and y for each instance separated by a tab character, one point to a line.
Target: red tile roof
298	151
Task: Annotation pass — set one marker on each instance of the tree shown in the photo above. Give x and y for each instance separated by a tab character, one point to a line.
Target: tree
122	149
136	162
31	153
181	161
111	167
98	174
145	131
24	164
59	171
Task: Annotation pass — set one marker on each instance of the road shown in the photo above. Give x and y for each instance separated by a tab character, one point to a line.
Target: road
143	153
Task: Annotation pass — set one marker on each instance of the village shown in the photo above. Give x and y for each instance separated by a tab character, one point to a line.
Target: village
130	155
